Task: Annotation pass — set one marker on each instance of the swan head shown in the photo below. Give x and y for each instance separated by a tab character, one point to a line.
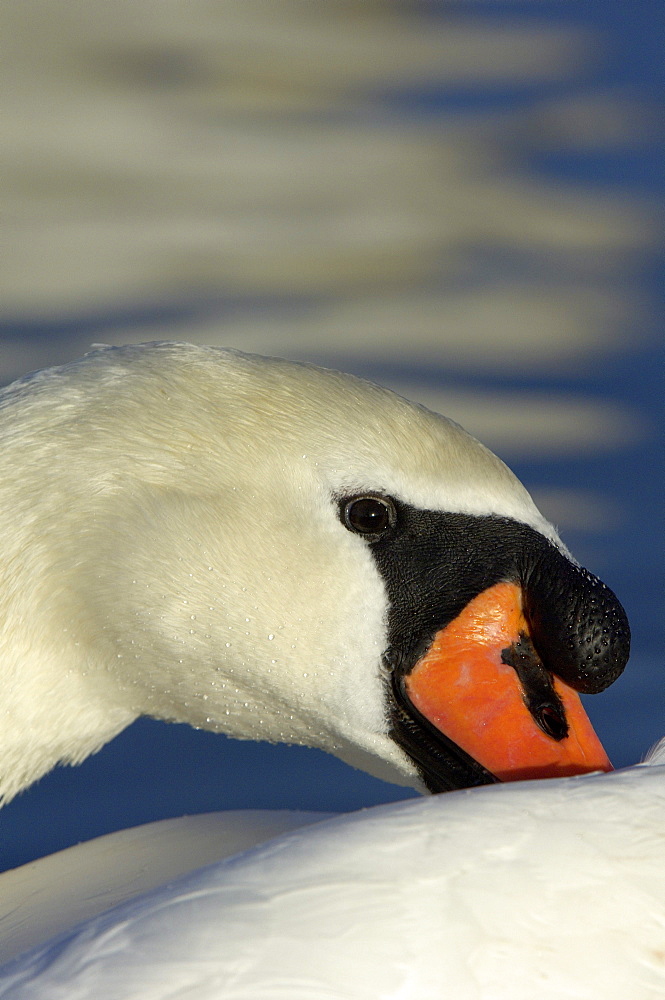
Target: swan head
276	551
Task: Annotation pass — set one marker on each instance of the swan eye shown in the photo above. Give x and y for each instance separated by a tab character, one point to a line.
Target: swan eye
370	516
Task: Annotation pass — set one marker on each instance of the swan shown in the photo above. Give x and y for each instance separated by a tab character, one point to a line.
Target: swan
276	551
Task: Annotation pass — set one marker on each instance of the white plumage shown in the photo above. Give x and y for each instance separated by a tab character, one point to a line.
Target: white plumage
169	521
553	890
167	516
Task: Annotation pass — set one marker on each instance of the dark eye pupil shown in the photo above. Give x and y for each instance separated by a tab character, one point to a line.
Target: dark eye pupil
368	516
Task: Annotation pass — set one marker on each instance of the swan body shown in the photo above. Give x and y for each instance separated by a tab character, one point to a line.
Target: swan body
547	889
45	897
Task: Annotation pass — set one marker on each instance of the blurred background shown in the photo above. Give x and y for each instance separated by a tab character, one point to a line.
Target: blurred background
461	199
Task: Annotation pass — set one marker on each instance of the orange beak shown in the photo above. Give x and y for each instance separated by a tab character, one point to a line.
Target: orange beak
465	686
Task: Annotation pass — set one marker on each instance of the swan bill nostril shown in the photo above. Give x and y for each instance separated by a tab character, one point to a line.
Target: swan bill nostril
551	721
537	683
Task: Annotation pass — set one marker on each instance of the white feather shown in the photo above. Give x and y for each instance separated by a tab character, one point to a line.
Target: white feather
550	889
656	754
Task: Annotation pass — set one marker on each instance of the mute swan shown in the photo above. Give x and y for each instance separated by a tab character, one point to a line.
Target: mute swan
279	552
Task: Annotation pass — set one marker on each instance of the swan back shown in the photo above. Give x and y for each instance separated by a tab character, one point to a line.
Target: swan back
551	889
